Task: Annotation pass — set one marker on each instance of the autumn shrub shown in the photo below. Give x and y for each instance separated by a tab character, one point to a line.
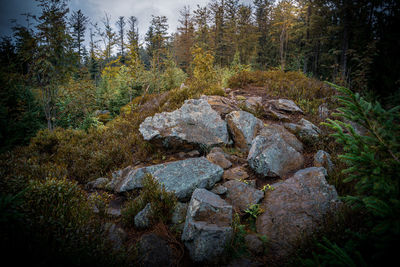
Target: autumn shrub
57	225
162	202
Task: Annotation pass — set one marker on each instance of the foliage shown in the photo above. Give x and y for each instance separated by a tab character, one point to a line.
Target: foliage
372	167
254	210
162	202
238	247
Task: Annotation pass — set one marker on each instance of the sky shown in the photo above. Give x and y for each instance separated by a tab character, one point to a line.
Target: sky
95	9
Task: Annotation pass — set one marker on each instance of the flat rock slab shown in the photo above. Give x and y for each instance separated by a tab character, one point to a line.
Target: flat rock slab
244	127
194	125
181	177
295	209
207	228
285	105
304	129
241	195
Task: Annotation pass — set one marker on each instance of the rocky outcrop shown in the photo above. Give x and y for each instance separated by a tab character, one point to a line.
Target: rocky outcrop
243	127
241	196
181	177
154	251
295	209
194	125
275	152
323	159
304	129
208	226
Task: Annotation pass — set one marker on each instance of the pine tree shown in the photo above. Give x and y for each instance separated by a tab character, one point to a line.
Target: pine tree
121	35
184	39
78	22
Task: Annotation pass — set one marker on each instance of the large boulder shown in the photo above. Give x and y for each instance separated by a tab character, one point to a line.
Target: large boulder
243	127
275	153
207	228
295	209
194	125
241	195
181	177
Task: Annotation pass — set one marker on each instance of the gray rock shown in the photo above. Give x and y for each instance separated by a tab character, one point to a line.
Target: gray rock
182	177
154	251
207	228
194	125
254	244
241	195
272	156
222	105
237	173
275	131
323	159
285	105
305	130
244	127
253	102
219	159
99	183
142	219
179	213
219	190
193	153
295	209
271	112
116	235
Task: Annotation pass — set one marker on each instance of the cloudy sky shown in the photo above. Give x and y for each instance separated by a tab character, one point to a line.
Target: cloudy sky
94	9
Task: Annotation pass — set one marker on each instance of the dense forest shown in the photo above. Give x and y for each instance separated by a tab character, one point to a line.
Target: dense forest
75	91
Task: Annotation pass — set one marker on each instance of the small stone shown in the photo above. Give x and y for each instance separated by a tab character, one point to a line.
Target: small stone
142	219
323	159
219	190
219	159
193	153
99	183
305	130
254	244
237	173
241	196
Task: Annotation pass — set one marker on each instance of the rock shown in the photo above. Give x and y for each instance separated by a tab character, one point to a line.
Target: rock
237	173
295	209
323	111
142	219
323	159
154	251
179	213
219	159
275	153
182	177
251	183
114	207
193	153
254	244
269	111
253	102
99	183
244	127
222	105
207	228
305	130
219	190
359	129
241	196
217	149
116	235
285	105
275	131
194	125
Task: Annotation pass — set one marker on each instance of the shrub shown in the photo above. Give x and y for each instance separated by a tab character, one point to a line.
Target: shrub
162	202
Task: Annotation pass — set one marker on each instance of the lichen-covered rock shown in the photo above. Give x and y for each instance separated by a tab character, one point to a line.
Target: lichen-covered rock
207	228
275	114
194	125
142	219
154	251
295	209
219	159
181	177
323	159
243	127
237	173
304	129
286	105
275	153
253	102
241	196
219	190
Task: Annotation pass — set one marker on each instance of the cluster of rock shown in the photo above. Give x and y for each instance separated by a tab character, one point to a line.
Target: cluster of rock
210	189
